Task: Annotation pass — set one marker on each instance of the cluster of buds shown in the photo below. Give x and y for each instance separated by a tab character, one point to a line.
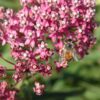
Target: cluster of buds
66	25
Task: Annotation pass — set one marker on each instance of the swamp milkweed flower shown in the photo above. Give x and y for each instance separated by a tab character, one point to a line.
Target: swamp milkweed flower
66	25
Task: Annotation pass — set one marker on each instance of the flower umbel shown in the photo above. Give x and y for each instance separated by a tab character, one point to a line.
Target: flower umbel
42	29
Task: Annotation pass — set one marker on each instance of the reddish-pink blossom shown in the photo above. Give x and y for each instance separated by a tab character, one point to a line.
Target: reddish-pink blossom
38	89
39	31
5	93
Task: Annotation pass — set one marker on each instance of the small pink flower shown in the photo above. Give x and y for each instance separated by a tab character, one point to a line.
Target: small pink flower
17	76
3	86
2	71
26	1
38	89
1	13
60	65
45	70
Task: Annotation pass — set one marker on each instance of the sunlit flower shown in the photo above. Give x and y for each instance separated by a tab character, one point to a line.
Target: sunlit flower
39	31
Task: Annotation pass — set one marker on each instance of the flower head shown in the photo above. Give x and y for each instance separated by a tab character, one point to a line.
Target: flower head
41	29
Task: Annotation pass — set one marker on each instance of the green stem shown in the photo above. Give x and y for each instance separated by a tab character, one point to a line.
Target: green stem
7	60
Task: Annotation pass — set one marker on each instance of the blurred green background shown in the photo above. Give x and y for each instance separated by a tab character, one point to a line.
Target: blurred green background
80	81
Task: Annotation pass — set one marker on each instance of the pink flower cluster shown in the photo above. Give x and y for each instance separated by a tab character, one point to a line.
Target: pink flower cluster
5	93
40	23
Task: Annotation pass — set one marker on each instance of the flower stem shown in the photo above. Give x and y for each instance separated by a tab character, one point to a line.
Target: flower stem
7	60
10	69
